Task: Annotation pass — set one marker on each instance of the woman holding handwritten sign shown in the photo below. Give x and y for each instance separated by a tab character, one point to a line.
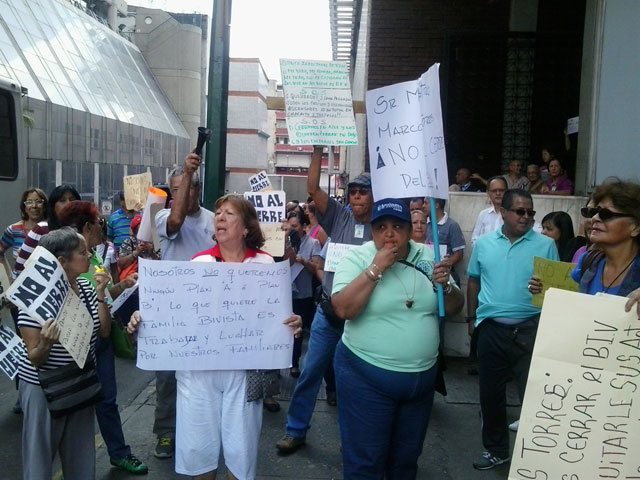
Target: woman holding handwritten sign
219	408
72	435
386	360
613	266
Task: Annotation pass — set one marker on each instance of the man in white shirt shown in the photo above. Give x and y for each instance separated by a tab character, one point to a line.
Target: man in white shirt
489	219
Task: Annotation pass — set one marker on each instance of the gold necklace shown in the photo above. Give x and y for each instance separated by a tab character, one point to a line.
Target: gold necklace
409	302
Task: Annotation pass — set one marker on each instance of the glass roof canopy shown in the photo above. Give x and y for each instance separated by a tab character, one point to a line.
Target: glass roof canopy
66	57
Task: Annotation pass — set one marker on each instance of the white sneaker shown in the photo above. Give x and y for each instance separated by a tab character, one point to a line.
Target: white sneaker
514	426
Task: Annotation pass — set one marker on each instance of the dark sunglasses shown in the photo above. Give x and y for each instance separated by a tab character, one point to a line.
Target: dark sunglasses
604	213
522	211
361	191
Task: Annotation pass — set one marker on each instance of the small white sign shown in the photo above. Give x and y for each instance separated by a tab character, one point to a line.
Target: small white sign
573	125
335	254
260	182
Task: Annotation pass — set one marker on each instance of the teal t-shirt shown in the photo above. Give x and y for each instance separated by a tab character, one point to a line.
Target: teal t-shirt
387	334
504	270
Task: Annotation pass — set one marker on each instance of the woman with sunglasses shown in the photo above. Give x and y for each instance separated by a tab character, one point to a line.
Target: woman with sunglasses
613	265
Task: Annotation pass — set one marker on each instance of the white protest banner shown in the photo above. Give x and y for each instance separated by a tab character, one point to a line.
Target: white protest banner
273	239
270	205
259	182
318	103
580	417
406	140
214	316
155	202
42	287
335	254
76	327
136	189
11	351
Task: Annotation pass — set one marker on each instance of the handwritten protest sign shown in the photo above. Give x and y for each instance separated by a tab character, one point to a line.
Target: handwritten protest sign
42	288
43	291
214	316
76	327
273	239
11	351
318	103
406	140
259	182
580	417
553	275
335	254
136	189
270	205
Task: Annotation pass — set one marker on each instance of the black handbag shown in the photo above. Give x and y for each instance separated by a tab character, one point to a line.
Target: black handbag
262	384
70	388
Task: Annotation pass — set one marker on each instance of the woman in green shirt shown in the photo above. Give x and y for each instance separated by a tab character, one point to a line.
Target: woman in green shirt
386	360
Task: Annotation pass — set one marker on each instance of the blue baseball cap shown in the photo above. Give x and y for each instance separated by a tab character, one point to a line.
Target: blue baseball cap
390	207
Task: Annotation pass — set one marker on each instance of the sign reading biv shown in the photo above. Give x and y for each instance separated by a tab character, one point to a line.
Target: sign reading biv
214	316
580	417
317	97
406	140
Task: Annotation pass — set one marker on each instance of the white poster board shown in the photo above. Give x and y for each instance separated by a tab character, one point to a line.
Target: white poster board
273	239
318	103
43	291
259	182
580	417
269	205
11	352
406	140
335	254
214	316
155	201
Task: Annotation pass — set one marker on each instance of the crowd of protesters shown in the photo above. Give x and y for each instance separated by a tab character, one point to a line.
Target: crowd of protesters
373	324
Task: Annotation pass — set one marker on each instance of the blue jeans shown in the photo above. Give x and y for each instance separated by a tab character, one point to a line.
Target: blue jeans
107	410
322	344
383	417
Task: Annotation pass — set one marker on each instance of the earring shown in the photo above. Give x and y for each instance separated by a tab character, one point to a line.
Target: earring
244	234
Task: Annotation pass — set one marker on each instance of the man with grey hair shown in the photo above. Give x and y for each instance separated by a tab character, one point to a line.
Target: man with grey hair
185	229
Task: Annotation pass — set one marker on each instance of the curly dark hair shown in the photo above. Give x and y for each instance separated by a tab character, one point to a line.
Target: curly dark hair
254	238
625	196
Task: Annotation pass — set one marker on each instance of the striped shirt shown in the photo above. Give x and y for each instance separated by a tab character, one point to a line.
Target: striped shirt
58	356
12	238
31	241
118	227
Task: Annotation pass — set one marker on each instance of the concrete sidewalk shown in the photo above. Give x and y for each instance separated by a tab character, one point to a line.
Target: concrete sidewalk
452	444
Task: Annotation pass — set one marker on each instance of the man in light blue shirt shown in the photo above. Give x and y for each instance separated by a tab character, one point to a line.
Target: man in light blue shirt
506	322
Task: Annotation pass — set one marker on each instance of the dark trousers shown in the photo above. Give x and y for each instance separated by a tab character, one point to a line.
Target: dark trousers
501	355
306	309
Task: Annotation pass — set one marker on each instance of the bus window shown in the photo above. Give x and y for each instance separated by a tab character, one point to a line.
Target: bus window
8	138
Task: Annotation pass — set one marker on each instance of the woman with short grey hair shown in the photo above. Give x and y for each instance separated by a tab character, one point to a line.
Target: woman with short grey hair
72	435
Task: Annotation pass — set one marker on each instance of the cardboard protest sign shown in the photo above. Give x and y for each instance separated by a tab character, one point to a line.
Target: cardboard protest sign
580	417
318	103
335	254
270	206
273	239
11	352
259	182
42	288
214	316
76	328
553	275
43	291
406	140
136	189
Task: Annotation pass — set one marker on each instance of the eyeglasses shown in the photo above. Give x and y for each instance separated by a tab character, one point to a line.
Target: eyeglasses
33	203
604	213
361	191
522	211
